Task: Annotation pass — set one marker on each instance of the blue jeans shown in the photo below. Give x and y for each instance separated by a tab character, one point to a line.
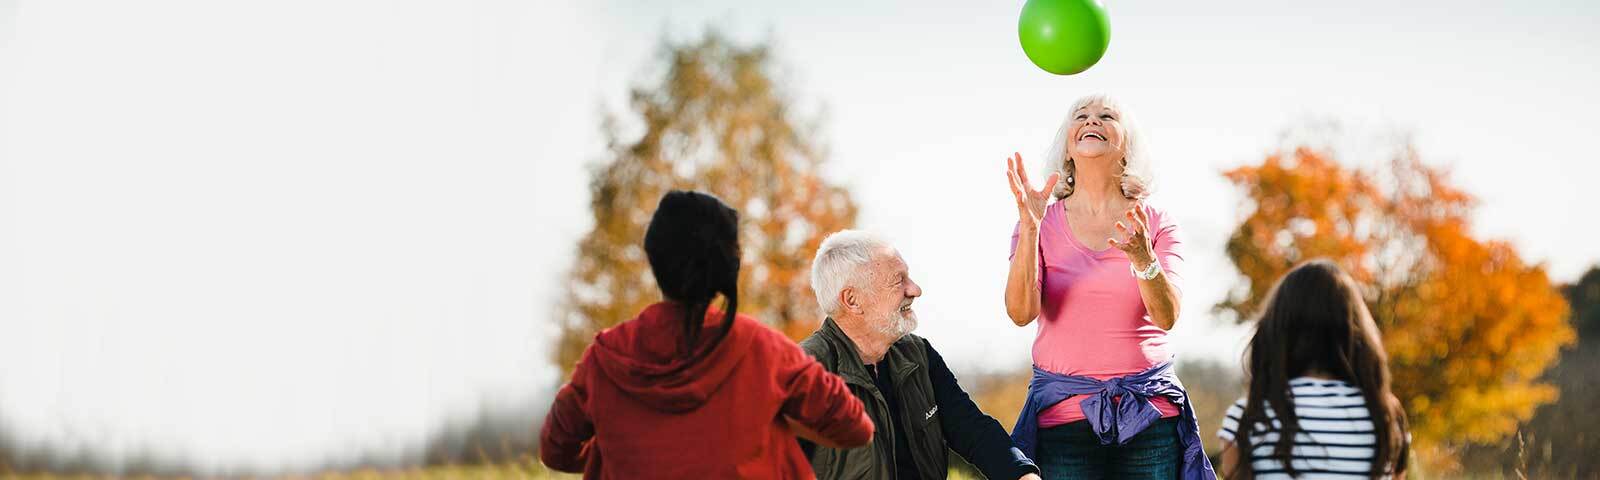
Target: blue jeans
1071	451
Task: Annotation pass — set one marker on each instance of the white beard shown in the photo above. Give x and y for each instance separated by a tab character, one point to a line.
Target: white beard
897	325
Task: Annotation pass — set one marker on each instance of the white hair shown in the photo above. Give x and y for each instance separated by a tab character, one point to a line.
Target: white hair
1137	177
838	265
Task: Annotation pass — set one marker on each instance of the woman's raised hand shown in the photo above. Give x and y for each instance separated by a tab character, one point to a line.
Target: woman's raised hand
1030	202
1137	231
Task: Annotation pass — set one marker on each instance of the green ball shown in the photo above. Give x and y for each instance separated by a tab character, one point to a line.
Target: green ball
1064	36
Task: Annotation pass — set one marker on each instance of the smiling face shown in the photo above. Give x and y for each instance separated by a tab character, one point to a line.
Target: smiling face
888	295
1095	132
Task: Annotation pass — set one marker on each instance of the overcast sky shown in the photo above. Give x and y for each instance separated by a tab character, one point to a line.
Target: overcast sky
266	234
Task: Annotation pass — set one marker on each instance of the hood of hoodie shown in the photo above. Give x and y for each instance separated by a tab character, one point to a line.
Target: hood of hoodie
643	357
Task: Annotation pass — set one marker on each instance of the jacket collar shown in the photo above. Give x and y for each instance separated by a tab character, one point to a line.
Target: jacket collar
853	368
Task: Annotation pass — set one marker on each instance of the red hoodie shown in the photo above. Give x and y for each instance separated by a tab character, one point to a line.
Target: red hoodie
628	414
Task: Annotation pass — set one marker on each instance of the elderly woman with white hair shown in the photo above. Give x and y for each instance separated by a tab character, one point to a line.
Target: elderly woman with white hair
1100	269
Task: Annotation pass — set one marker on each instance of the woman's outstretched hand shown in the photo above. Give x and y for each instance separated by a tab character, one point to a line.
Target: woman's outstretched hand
1030	202
1137	231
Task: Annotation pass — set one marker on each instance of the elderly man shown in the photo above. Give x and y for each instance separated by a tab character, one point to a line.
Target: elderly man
864	287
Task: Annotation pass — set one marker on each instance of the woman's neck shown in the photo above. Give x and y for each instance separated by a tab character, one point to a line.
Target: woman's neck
1097	185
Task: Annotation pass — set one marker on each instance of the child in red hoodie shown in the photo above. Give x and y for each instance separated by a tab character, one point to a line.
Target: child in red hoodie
686	391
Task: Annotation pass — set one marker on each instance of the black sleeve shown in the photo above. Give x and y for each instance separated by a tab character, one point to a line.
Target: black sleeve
974	435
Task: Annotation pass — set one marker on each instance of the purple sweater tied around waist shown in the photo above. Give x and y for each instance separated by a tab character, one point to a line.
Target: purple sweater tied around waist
1116	421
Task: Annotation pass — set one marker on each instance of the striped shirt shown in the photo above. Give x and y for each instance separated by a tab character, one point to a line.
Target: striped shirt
1335	441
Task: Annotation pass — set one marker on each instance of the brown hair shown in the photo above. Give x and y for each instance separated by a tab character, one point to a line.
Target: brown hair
1316	320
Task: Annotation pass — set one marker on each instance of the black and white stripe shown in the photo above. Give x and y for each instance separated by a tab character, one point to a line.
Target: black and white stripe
1335	441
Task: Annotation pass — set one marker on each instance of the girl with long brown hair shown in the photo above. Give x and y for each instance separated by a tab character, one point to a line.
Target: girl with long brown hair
1319	404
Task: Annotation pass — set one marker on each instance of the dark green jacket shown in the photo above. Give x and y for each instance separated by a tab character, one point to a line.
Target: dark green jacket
935	415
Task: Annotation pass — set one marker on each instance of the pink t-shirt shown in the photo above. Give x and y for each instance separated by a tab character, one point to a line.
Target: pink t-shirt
1092	322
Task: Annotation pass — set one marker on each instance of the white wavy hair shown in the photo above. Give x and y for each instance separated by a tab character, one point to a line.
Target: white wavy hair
1137	177
838	265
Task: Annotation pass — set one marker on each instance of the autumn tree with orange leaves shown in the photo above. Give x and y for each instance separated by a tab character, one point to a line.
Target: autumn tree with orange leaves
1469	326
717	121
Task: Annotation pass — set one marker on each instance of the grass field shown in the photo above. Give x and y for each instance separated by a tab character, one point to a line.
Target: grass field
527	469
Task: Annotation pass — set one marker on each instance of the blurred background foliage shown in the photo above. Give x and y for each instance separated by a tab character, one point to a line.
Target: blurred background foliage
718	122
1492	359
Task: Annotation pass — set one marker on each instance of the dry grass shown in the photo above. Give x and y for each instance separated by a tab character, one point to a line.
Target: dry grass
526	469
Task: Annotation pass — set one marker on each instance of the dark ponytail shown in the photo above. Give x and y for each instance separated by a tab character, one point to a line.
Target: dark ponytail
693	247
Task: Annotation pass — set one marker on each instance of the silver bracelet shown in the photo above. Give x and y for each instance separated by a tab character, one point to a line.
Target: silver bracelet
1149	273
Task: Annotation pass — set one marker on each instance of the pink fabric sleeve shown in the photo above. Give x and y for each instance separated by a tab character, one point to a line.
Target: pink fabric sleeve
1016	233
1038	277
1168	244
